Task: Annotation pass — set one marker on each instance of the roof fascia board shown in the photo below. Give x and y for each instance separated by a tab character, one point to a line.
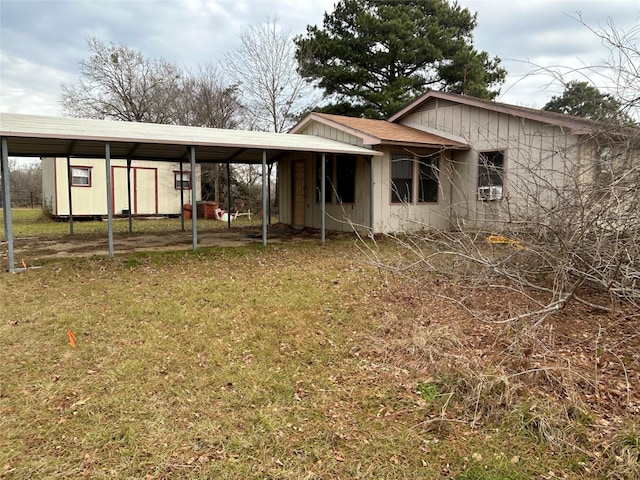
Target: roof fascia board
438	146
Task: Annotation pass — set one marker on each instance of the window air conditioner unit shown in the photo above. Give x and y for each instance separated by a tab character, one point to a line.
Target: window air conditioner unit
489	193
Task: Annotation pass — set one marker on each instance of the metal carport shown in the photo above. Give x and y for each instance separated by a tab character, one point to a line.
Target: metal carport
41	136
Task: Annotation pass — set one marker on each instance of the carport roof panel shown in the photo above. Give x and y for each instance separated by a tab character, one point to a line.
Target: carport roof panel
34	135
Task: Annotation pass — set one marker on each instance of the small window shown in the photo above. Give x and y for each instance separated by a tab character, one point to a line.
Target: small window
328	187
182	180
81	176
401	179
346	178
490	175
428	183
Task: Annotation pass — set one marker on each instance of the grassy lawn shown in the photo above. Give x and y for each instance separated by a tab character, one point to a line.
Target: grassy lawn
28	222
292	361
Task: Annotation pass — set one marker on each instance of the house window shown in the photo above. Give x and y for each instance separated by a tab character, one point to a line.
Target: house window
346	178
182	181
428	179
328	187
401	179
340	174
81	176
490	175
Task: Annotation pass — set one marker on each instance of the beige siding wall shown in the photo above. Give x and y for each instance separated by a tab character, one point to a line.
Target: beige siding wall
390	217
152	187
538	158
345	217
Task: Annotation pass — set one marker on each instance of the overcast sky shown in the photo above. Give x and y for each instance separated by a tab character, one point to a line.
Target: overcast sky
42	41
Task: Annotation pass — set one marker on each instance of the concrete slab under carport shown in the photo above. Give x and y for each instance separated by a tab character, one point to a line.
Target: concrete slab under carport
36	250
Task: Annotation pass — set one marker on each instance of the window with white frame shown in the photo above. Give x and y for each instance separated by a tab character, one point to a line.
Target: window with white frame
81	176
182	181
490	175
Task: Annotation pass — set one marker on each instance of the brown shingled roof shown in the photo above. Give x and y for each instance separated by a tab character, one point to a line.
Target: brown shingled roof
383	132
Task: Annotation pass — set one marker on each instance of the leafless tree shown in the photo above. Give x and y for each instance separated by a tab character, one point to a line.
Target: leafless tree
265	69
206	101
564	232
25	181
119	83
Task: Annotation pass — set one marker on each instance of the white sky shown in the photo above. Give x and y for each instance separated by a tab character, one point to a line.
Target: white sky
42	41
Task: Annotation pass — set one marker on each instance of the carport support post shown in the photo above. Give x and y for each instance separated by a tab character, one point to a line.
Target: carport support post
6	203
323	206
182	196
194	210
229	195
129	194
264	198
371	196
107	157
70	196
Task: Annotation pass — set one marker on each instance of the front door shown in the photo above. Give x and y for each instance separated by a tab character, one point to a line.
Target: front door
298	193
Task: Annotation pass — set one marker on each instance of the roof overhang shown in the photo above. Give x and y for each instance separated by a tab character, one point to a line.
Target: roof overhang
41	136
374	133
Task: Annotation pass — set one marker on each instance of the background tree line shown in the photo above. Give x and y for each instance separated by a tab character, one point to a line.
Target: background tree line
369	58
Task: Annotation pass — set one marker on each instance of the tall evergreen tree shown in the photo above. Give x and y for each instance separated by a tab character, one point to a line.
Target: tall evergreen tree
584	100
374	56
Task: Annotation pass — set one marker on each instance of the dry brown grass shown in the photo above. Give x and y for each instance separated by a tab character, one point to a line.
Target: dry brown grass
297	361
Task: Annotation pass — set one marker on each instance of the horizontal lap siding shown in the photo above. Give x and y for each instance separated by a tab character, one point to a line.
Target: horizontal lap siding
325	131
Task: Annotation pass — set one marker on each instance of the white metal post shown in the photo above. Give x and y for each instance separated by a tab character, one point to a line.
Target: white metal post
107	157
323	186
6	203
264	198
194	209
69	194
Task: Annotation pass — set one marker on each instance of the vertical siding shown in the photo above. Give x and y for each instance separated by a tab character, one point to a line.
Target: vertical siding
285	205
531	148
346	217
390	217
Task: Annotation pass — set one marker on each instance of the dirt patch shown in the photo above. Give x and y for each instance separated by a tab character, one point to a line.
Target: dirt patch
36	248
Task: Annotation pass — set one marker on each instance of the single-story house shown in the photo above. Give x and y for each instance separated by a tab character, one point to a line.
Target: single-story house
147	187
448	161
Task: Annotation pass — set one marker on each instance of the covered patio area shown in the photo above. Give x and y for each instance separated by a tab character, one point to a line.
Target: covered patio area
39	136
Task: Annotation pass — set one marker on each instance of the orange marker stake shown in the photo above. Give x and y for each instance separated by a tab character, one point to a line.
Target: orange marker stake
72	339
24	264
